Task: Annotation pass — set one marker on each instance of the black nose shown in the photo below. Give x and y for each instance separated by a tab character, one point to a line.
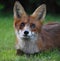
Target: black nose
26	32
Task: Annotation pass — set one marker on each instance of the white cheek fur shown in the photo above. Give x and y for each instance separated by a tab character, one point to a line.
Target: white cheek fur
20	43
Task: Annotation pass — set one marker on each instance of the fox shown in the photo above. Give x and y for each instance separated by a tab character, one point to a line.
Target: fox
32	35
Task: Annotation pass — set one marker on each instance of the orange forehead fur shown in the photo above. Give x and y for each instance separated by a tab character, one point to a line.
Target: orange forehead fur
28	20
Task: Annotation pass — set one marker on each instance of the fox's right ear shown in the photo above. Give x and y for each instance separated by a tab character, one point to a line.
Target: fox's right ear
18	10
40	13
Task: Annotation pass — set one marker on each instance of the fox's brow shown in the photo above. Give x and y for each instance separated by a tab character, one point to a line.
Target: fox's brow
28	18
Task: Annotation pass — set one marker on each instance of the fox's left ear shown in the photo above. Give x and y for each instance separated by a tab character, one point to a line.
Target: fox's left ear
40	12
18	10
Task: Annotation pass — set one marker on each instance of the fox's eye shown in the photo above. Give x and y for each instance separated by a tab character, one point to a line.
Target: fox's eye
32	26
22	24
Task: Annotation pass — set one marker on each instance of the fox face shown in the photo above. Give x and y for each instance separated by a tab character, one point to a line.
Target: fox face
28	27
26	30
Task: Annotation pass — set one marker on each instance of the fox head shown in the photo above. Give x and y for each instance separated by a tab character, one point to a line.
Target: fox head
28	26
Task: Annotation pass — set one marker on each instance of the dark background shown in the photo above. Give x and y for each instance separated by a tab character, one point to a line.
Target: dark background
53	6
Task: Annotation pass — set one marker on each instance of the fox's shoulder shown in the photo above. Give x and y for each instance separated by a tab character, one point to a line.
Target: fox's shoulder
51	31
51	26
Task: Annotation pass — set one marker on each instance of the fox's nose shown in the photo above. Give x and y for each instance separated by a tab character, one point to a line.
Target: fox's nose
26	32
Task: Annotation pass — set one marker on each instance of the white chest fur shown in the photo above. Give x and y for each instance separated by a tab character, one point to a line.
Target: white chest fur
27	46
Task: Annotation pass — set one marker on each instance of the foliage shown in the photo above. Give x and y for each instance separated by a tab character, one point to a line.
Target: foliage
53	6
58	2
1	6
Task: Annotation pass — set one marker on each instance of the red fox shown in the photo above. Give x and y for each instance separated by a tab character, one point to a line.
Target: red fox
32	35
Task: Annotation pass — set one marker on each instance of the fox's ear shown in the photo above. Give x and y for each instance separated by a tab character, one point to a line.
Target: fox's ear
40	12
18	10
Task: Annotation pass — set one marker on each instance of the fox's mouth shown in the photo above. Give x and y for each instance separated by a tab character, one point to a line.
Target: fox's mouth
26	37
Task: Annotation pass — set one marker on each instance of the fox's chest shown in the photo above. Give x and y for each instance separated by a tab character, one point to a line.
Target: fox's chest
27	46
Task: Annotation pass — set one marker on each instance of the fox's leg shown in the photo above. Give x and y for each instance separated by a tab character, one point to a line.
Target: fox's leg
19	52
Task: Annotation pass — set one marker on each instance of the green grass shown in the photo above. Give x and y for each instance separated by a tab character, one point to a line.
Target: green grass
7	42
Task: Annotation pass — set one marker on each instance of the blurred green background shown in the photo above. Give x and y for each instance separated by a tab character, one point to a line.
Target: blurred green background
7	34
53	6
